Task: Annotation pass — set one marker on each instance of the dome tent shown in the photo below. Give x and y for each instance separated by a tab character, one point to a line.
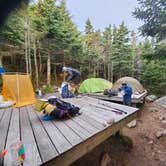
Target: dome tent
94	85
135	84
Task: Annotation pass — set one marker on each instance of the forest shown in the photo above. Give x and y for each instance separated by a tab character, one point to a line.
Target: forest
40	37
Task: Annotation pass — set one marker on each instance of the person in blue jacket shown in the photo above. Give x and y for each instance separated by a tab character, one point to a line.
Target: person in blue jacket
126	91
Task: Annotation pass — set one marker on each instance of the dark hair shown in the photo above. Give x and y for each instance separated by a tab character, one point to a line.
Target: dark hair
124	83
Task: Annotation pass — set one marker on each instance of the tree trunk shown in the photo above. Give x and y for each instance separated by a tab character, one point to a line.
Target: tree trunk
94	71
36	66
109	72
1	61
112	70
26	53
40	59
105	73
49	68
29	51
89	68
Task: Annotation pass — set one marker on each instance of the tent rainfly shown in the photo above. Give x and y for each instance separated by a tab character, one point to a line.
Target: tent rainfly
18	88
94	85
135	84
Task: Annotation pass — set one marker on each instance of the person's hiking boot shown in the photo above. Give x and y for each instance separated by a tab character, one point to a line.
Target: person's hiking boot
47	117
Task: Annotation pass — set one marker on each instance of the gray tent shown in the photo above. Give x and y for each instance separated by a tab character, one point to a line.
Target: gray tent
135	84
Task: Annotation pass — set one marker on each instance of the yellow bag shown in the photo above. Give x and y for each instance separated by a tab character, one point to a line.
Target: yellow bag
39	104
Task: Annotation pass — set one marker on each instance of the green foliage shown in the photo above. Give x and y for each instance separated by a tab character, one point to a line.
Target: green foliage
153	14
48	89
158	53
121	52
54	27
88	27
154	78
11	31
154	74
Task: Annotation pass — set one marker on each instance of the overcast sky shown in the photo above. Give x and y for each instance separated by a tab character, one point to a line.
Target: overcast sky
103	12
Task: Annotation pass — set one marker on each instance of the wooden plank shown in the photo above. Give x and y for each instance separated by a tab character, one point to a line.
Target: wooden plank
13	135
106	112
93	116
32	155
125	108
1	113
60	142
98	109
97	113
45	145
84	124
92	121
4	126
81	149
68	133
113	105
84	134
91	110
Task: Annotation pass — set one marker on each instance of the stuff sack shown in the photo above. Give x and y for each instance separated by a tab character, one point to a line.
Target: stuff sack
64	90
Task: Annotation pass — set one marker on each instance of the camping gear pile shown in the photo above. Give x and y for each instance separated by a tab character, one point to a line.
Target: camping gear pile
54	108
110	93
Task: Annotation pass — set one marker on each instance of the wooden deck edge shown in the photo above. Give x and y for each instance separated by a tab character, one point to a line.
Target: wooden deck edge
81	149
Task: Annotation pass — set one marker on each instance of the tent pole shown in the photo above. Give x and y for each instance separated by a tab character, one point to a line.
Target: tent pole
18	90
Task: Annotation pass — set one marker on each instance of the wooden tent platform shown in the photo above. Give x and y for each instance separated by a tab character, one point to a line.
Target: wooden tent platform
119	98
61	142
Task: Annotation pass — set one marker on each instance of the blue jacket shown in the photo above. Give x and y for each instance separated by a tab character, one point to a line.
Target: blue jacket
128	92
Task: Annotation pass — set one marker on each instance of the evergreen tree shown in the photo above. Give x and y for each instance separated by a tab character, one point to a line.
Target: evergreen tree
153	14
122	53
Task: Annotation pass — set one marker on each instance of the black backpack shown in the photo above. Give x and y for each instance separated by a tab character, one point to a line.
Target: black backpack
63	109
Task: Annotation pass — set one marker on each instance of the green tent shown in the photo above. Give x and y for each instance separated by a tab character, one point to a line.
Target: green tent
94	85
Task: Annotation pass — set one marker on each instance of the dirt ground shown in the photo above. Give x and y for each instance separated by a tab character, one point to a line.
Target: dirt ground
139	146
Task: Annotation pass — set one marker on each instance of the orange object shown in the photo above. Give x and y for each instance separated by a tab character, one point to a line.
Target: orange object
18	88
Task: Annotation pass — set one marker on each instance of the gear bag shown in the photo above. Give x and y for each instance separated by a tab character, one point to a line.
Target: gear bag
63	109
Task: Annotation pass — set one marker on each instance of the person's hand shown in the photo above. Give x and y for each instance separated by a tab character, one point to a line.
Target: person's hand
123	93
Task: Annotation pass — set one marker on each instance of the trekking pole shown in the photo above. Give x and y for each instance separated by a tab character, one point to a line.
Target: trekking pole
114	108
115	111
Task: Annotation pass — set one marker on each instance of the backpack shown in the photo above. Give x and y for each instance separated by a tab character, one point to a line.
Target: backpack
63	109
110	93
